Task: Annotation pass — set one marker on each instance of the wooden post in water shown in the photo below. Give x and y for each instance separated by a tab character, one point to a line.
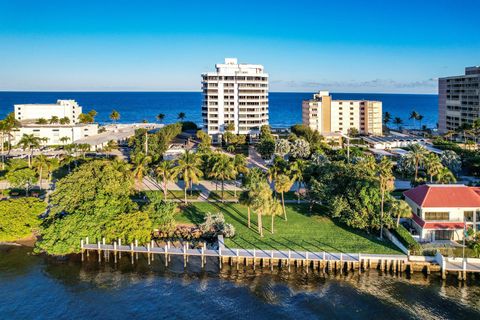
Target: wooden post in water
131	251
115	252
99	252
341	263
289	259
203	256
184	255
166	255
306	260
254	259
238	258
220	262
169	256
271	261
148	253
119	251
136	246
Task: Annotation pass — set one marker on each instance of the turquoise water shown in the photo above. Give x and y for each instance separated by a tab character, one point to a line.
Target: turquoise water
38	287
285	108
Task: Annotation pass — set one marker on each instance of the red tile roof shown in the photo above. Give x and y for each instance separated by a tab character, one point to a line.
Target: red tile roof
444	196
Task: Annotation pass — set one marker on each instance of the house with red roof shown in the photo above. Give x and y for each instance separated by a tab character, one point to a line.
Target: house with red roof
442	211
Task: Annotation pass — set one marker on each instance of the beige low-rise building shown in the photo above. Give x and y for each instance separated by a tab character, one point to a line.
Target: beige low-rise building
328	116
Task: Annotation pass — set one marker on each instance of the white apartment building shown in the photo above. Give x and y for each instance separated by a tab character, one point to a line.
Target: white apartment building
61	109
52	134
235	93
339	116
458	99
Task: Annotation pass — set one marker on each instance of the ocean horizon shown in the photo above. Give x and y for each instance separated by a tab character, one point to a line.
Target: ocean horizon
284	107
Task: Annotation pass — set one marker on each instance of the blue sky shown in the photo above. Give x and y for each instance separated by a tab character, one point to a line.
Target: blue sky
341	46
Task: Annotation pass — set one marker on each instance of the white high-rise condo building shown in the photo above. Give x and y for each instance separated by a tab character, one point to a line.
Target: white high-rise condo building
235	93
339	116
458	99
63	108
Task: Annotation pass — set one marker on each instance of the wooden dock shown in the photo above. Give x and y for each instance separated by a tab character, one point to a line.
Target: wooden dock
324	261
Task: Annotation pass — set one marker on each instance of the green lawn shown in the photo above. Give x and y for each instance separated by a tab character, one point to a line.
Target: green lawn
227	194
300	232
174	194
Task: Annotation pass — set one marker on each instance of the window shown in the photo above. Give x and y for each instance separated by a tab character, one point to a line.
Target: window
468	216
436	216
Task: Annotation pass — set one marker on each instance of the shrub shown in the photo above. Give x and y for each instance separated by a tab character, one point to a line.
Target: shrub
407	240
215	225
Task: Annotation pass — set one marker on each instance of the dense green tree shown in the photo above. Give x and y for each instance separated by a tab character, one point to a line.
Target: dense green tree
162	214
266	147
22	178
19	217
91	202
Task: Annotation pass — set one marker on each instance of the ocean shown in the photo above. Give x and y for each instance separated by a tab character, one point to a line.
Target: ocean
285	107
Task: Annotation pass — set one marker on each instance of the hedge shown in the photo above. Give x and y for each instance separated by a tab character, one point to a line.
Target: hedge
407	240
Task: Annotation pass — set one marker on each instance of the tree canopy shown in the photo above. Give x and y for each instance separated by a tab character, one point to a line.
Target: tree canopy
19	217
94	201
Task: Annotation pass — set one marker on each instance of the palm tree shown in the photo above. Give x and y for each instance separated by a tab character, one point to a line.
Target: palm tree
261	197
416	157
10	123
413	116
4	130
40	162
223	168
140	166
240	165
30	142
283	184
296	174
54	119
252	179
387	117
446	176
166	171
420	118
398	122
65	120
274	209
247	201
181	116
188	167
400	209
115	115
433	165
385	178
64	140
160	117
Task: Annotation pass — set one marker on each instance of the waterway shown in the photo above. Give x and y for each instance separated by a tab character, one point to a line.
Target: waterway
41	287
